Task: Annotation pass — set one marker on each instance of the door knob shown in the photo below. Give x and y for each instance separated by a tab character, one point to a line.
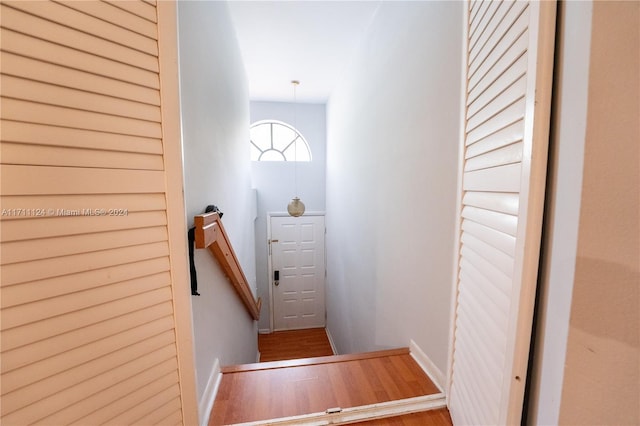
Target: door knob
276	278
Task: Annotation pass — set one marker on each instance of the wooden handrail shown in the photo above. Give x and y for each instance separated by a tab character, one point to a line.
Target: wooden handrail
211	234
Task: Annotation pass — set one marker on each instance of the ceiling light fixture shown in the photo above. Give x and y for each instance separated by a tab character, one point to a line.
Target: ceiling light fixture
295	207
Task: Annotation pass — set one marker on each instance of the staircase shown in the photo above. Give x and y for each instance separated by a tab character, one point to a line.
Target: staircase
325	390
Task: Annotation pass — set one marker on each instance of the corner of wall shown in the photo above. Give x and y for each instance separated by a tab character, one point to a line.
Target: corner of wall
437	377
210	391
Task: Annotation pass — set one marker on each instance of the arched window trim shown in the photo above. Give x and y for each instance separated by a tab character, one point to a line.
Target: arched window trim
298	135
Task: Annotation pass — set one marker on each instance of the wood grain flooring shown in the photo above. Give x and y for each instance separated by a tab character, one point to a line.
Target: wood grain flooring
294	344
439	417
268	393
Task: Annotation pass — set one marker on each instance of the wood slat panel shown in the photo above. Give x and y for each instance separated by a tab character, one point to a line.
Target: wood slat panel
496	179
27	180
497	84
71	18
48	308
479	402
487	23
115	15
478	398
473	9
47	288
499	259
174	418
495	310
40	134
495	201
488	271
138	8
16	273
41	310
504	242
510	154
75	157
130	400
17	230
115	394
71	58
132	202
43	29
76	392
38	331
514	23
478	39
68	361
507	135
490	72
487	331
155	409
87	306
483	355
459	394
27	90
490	110
505	118
17	110
489	288
59	344
496	220
36	70
478	17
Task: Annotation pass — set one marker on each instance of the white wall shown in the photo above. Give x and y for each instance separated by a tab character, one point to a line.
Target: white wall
392	144
215	125
274	181
587	359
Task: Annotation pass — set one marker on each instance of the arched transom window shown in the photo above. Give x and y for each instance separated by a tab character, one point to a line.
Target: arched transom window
273	140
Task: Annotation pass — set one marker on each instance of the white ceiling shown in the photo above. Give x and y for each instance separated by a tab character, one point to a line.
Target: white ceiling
309	41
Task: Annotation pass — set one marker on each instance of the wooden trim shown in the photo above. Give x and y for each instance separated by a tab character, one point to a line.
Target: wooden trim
312	361
361	413
210	233
172	149
532	192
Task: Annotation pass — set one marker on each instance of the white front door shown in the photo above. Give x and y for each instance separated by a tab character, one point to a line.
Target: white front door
297	272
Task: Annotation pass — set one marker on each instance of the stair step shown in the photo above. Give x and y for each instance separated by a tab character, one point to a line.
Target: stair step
341	388
312	361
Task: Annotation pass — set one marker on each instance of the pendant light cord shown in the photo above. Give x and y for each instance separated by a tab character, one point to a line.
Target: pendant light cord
295	141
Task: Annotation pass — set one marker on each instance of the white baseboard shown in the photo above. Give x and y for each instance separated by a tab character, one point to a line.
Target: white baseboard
264	331
361	413
427	365
258	357
206	402
333	345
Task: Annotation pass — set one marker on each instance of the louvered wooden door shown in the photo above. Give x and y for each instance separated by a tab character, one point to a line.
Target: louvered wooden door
509	59
95	322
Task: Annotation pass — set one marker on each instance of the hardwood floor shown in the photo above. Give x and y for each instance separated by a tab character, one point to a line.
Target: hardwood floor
294	344
298	375
268	393
439	417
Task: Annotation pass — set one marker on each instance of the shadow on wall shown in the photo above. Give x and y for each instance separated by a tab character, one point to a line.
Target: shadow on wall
603	350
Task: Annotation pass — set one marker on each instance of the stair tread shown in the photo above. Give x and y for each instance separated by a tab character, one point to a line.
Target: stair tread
312	361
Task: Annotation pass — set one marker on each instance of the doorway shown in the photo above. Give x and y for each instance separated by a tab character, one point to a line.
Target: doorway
297	271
